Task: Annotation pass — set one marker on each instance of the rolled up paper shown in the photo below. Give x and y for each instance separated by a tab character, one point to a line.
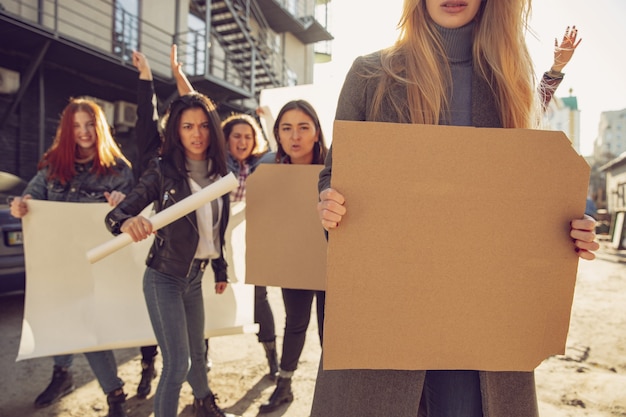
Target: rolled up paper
169	215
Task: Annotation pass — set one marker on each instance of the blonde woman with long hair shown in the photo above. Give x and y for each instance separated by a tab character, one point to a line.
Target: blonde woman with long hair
462	63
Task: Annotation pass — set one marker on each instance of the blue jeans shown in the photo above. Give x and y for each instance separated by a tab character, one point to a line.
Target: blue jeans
452	394
176	311
103	366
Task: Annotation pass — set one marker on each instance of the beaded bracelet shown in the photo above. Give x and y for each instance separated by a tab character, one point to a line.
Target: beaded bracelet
554	74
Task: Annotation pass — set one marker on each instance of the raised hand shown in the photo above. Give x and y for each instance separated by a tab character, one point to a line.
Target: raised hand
564	51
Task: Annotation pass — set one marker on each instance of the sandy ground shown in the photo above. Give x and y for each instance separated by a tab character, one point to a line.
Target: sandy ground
589	380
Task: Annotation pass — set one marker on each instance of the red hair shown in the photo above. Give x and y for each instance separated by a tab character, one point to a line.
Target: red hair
60	158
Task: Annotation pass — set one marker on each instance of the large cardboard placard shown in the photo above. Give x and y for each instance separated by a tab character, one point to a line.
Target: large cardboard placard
455	250
285	242
72	305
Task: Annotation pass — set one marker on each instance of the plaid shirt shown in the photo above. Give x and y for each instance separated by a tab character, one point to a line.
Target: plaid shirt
239	193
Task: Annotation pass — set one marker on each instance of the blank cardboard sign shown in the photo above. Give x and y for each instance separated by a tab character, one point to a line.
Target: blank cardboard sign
455	250
285	243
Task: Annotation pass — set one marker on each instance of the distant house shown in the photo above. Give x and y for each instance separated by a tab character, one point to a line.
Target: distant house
615	174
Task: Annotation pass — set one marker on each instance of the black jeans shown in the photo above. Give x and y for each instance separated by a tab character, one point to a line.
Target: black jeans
298	305
452	393
263	315
148	353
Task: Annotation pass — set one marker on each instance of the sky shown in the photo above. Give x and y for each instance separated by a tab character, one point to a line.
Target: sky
595	73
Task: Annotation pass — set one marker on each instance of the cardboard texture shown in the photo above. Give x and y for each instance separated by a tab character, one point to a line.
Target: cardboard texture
85	303
285	241
455	250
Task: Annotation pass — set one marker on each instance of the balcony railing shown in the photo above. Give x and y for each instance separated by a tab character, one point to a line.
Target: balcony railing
103	27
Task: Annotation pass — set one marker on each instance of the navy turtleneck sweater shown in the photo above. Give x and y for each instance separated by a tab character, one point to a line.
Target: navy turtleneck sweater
457	44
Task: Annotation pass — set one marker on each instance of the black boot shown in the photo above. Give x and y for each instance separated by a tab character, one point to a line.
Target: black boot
148	373
281	395
207	407
272	359
62	384
116	401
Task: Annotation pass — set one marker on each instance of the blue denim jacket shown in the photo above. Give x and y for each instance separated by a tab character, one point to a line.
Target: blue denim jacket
253	163
85	187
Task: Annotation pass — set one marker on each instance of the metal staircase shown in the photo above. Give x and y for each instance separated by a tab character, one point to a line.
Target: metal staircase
246	49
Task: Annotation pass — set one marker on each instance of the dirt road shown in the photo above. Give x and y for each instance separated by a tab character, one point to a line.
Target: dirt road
590	380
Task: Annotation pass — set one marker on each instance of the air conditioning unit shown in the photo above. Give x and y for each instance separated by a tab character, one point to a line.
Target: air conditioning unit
107	107
9	81
125	114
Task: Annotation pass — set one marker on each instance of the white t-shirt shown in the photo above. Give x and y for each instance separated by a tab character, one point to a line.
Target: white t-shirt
208	219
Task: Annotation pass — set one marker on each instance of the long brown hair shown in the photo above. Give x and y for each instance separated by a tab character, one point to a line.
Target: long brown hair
500	57
319	150
172	148
60	157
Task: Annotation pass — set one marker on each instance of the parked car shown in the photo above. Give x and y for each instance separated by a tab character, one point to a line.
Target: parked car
12	268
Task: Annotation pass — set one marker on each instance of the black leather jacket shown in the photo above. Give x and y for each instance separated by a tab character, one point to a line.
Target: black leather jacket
175	244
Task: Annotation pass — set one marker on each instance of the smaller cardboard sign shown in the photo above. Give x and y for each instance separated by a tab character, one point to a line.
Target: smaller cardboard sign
285	242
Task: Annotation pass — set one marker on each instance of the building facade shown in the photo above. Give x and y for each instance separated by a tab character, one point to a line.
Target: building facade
611	140
51	50
563	114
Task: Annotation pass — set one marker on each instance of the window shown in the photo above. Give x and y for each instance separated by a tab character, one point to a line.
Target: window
195	53
126	28
292	77
292	6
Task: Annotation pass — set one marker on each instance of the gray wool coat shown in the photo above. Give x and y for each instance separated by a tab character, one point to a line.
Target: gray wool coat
397	393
